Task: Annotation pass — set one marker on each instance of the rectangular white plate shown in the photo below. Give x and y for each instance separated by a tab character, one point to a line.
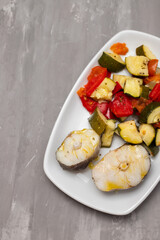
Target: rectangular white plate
73	116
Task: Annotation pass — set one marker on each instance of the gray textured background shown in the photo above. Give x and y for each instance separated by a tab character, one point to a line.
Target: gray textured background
44	46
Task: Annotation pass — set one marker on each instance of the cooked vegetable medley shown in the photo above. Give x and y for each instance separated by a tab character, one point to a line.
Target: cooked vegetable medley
111	99
119	96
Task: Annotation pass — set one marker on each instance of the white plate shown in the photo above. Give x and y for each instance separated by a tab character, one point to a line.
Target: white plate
73	116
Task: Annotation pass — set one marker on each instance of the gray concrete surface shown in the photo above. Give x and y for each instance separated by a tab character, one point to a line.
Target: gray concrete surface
44	46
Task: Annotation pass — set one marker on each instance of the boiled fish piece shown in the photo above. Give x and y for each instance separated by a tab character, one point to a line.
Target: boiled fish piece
78	149
122	168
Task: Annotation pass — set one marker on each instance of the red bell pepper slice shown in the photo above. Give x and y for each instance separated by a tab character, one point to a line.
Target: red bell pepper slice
88	103
155	93
152	66
95	78
96	72
117	88
81	92
121	105
103	107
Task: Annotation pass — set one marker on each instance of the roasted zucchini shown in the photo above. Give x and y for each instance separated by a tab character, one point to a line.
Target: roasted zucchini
147	133
98	121
137	65
121	79
128	131
104	90
112	61
107	136
151	113
132	87
145	51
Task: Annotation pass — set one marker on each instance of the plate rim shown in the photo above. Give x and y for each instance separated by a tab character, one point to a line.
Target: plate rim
90	205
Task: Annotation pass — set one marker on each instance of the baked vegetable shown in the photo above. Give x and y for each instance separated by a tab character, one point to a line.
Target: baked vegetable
107	136
121	106
145	51
112	61
122	168
132	87
119	48
117	88
128	131
137	65
152	67
104	90
88	103
151	113
121	79
103	106
158	137
147	133
98	121
78	149
155	93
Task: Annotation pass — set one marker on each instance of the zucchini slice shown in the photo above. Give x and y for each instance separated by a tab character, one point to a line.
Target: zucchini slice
98	121
158	137
151	113
112	61
121	79
147	133
137	65
152	149
107	136
145	92
145	51
132	87
104	90
128	131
